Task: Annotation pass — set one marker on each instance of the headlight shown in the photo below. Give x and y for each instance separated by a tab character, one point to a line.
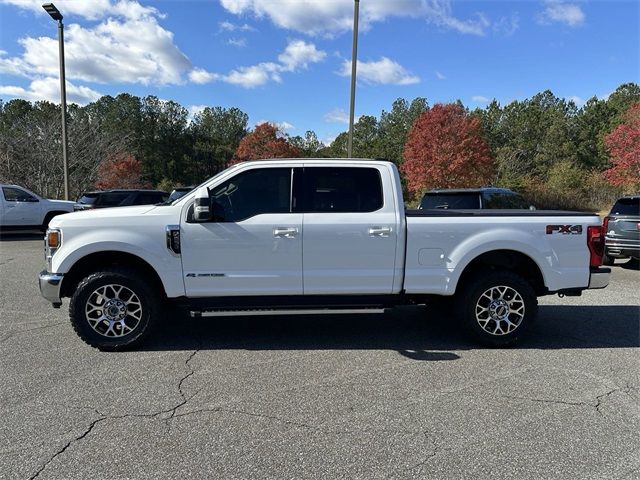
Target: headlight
52	242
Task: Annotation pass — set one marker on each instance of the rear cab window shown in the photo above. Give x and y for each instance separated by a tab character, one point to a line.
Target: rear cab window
463	201
626	206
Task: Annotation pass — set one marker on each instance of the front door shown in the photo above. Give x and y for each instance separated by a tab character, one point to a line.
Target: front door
254	244
20	207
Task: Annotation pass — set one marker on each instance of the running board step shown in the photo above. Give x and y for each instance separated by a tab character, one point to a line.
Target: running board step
289	311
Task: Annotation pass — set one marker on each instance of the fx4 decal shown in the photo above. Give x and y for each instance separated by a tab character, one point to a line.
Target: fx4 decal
564	229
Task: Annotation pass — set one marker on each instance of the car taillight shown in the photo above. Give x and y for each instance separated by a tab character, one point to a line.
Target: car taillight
595	242
605	225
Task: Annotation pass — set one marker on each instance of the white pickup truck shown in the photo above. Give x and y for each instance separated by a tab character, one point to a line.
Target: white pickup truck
309	236
22	209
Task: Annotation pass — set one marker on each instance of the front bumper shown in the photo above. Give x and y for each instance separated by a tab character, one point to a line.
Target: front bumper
599	277
50	284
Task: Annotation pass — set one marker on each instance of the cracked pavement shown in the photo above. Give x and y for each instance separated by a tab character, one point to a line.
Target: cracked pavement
399	395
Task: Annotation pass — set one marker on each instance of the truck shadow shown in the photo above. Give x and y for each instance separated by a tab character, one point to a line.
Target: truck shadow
416	333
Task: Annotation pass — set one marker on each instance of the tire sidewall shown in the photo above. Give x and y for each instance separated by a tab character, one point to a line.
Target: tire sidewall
483	283
77	308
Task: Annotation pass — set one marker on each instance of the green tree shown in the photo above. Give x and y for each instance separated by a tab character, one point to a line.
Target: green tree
394	127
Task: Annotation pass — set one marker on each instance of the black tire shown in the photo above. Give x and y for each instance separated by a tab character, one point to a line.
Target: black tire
149	301
479	326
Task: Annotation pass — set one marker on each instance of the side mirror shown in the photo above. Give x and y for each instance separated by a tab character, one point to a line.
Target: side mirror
202	206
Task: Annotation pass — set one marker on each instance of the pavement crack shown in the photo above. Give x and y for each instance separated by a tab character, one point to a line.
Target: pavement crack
21	332
68	445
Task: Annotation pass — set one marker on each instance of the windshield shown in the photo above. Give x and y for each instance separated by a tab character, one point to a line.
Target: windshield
88	198
175	202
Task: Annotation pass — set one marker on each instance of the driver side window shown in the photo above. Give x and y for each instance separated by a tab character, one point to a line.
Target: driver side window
251	193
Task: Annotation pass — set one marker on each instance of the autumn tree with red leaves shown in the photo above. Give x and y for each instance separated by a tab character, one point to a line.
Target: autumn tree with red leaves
445	149
263	143
623	144
121	170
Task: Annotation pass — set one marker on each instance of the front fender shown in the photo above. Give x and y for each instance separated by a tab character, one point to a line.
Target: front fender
151	250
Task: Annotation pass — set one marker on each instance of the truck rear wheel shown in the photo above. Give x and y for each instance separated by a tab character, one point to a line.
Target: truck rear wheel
113	309
498	308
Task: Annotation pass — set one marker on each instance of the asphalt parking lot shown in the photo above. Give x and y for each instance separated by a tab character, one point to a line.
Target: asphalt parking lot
399	395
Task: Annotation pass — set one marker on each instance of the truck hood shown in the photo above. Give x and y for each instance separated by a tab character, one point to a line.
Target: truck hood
102	216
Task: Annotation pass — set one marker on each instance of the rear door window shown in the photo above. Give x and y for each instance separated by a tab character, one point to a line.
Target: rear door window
626	206
341	189
463	201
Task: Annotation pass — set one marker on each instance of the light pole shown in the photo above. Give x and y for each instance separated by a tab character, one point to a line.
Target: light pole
51	9
354	61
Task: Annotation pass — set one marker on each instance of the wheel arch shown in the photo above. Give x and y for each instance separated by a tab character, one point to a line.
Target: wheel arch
509	260
94	261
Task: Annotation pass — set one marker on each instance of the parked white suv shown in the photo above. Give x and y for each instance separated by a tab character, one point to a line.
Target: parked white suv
22	209
312	236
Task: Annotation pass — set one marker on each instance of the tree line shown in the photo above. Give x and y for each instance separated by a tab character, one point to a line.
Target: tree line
557	153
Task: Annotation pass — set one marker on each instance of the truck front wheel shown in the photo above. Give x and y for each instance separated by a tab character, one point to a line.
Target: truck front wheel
497	308
113	309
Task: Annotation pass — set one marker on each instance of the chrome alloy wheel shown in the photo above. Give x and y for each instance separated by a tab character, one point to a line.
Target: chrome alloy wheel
500	310
113	310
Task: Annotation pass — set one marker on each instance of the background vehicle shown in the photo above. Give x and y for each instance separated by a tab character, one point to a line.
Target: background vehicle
313	236
473	198
179	192
120	198
622	230
22	209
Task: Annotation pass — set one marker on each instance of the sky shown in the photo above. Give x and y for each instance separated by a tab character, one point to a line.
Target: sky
288	61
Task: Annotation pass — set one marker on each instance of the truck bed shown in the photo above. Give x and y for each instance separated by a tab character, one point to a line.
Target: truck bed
440	212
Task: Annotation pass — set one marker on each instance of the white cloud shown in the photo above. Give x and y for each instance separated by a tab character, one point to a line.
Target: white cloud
299	54
440	76
195	110
383	72
49	89
296	56
90	9
237	42
577	100
336	16
480	99
338	115
232	27
254	75
507	26
557	11
281	126
201	76
135	49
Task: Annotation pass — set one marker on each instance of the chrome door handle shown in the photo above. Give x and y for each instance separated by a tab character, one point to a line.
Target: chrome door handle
285	232
379	231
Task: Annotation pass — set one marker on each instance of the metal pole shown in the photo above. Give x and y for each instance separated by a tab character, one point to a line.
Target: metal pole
354	61
63	107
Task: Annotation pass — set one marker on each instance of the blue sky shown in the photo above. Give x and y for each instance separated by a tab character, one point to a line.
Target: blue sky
287	61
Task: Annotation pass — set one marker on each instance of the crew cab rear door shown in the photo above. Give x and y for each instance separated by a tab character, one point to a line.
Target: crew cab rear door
350	229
